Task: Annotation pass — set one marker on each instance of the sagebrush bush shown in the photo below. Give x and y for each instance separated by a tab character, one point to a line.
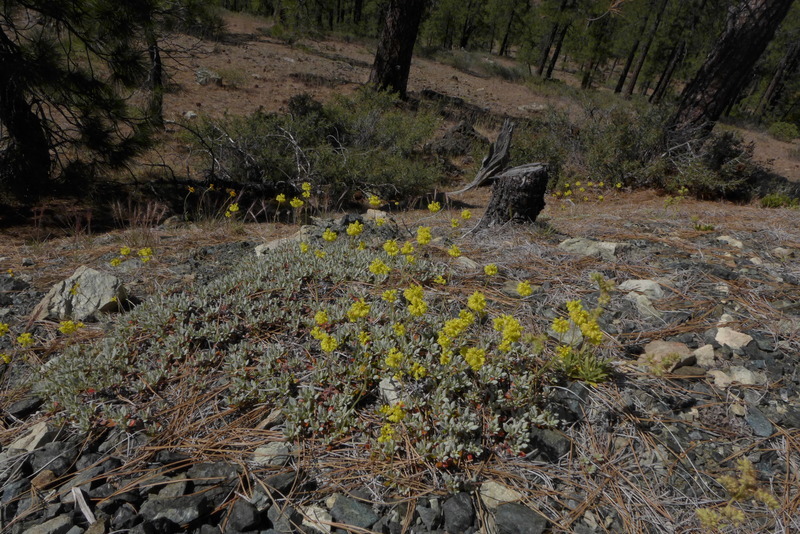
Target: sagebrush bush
783	131
365	142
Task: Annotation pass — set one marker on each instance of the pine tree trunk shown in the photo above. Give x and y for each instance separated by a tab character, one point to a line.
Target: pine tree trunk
646	49
666	76
561	35
786	67
517	195
26	159
631	56
546	50
751	26
396	46
156	105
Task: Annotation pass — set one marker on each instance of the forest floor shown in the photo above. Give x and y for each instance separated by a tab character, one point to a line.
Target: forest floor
650	444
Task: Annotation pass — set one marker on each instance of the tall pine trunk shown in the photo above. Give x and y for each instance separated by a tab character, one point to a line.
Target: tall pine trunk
559	43
396	46
646	49
751	26
632	55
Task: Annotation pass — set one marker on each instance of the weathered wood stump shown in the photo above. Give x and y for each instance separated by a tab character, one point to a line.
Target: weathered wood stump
517	195
496	161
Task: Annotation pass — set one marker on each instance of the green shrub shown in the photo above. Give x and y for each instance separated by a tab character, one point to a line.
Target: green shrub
779	200
365	142
783	131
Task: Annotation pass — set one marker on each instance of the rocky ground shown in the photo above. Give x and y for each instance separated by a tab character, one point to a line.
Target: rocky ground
704	331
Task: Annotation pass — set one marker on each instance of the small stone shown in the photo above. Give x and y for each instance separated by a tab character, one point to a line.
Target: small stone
430	518
705	356
459	514
353	513
27	262
390	390
728	240
572	337
275	453
493	494
179	510
760	424
57	525
666	356
649	288
781	252
515	518
551	444
40	434
588	247
755	260
25	407
283	518
644	306
731	338
243	516
738	409
373	215
317	519
189	115
463	263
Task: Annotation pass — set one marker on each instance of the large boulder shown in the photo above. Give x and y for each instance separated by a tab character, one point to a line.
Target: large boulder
82	296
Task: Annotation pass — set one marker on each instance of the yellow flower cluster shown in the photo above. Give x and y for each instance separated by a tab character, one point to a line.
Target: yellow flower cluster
25	340
524	289
329	235
320	253
560	326
296	203
589	327
281	198
395	413
416	304
377	267
455	223
509	328
407	248
399	329
146	254
304	247
453	328
232	209
306	190
70	327
394	359
321	317
491	269
390	295
424	235
380	221
328	343
475	358
355	228
3	329
358	310
476	302
418	371
434	207
375	201
454	251
391	248
388	434
364	338
6	358
466	215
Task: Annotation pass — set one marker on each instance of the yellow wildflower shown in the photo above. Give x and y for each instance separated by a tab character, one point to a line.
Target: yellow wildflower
491	269
321	317
145	254
281	198
329	235
361	246
394	413
391	248
320	253
410	258
355	228
191	189
378	267
394	358
304	247
440	280
424	235
116	262
446	357
25	340
380	221
306	190
433	207
6	358
407	248
375	201
560	326
418	308
475	358
476	302
210	187
328	343
296	203
70	327
3	329
390	295
399	329
618	185
387	434
510	329
364	338
455	223
231	193
125	251
466	215
524	289
358	310
418	371
454	251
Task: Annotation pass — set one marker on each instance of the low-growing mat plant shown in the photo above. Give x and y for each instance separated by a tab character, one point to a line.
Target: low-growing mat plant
351	342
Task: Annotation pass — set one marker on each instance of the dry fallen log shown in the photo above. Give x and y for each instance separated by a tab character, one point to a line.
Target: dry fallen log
517	195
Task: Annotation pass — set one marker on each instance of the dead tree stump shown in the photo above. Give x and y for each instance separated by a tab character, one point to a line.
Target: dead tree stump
517	195
496	161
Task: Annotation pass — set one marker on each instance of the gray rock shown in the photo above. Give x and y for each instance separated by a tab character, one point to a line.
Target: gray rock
25	407
354	513
587	247
212	473
274	453
284	518
58	525
760	424
705	356
515	518
81	480
40	434
551	444
390	390
82	296
57	456
317	519
459	514
667	355
644	306
494	494
243	516
649	288
179	510
731	338
728	240
430	518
